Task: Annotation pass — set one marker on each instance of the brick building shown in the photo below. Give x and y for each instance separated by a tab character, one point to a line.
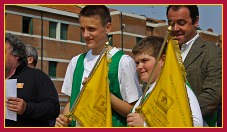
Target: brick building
54	30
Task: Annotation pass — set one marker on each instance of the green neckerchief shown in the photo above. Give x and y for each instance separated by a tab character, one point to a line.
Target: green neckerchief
211	120
117	119
77	79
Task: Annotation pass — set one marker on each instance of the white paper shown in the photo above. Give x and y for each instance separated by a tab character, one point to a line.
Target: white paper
11	91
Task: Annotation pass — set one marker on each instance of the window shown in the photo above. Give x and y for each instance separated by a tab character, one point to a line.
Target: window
27	25
111	40
52	68
52	29
64	30
138	39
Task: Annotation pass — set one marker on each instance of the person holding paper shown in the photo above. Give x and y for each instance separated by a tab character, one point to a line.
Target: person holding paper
37	99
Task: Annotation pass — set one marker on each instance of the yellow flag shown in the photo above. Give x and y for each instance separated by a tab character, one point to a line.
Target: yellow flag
93	108
168	103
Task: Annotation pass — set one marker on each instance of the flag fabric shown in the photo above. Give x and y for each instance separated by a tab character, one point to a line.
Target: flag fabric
93	108
168	103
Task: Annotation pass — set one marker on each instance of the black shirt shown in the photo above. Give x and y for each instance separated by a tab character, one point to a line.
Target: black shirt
40	95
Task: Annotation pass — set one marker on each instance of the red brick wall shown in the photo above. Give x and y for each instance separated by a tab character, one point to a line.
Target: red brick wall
13	23
134	25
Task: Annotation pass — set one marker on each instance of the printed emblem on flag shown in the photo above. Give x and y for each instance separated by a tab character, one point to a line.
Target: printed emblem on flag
100	104
164	101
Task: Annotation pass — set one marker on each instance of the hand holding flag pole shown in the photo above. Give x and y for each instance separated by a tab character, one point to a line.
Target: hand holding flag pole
167	105
145	85
72	109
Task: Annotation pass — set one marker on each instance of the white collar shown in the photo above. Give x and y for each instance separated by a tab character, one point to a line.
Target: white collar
189	43
185	48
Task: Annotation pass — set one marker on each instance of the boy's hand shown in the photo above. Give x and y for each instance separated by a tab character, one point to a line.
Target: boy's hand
135	120
62	121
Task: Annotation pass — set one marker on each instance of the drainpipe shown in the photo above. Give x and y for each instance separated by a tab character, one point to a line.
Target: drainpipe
41	40
122	32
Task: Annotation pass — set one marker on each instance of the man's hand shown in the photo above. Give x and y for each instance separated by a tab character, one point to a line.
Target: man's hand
16	104
62	121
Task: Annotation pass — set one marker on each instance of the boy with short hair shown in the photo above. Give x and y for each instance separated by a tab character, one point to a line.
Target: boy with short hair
95	23
145	55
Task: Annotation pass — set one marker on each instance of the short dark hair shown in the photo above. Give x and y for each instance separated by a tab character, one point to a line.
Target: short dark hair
97	10
193	10
150	45
32	51
17	47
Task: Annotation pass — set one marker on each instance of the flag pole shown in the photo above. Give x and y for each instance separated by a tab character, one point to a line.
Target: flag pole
70	114
146	85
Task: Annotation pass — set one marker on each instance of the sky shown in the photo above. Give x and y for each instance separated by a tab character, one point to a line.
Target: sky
210	16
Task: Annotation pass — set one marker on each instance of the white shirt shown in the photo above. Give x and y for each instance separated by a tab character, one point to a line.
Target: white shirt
127	76
194	105
187	46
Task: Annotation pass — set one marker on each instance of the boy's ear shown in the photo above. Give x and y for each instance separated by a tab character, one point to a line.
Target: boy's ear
162	59
108	27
